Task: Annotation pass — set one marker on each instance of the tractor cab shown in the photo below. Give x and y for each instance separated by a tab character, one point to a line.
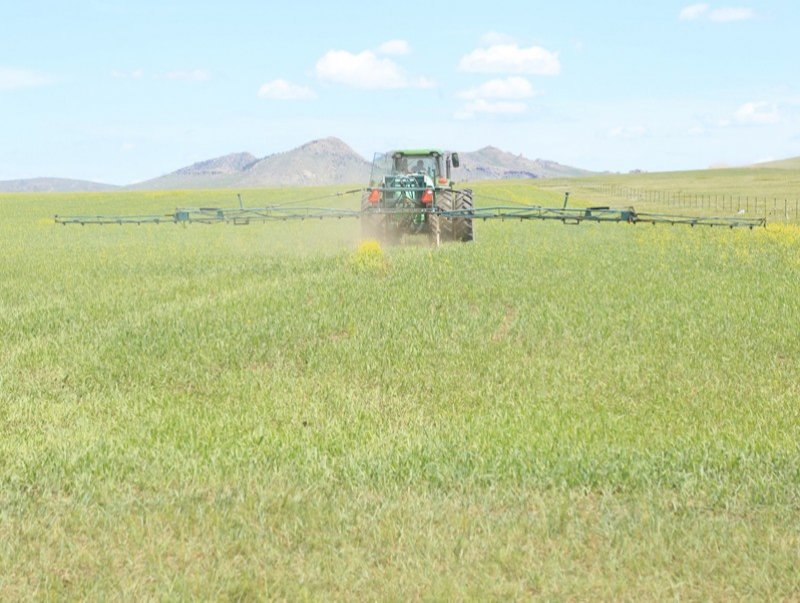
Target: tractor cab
434	166
432	163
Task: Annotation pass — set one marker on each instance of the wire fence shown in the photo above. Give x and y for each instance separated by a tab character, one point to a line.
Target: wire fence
774	208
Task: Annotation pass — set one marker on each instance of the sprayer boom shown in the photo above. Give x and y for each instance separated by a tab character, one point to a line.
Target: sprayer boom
567	215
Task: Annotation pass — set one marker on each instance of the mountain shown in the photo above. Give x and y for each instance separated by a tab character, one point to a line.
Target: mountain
324	161
491	163
319	162
331	161
53	185
221	172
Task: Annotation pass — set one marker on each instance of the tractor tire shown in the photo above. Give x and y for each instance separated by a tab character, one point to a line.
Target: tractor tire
434	234
460	227
446	201
463	226
371	224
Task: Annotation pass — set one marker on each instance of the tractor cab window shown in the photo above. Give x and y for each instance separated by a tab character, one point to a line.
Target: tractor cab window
423	165
429	164
382	165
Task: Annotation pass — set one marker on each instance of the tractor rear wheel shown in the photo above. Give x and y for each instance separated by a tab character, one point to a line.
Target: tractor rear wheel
445	201
457	228
462	229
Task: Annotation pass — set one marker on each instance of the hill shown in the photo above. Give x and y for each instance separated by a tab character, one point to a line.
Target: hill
324	161
212	173
792	163
319	162
53	185
491	163
331	161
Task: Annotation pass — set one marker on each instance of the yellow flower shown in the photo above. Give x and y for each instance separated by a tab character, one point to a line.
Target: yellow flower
369	257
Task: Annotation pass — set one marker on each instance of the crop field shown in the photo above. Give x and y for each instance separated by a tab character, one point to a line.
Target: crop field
278	411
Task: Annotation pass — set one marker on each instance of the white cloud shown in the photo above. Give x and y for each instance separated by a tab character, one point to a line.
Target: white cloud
16	79
693	12
395	47
697	12
628	132
135	74
482	106
508	88
365	70
494	38
758	113
510	58
424	82
283	90
727	15
192	75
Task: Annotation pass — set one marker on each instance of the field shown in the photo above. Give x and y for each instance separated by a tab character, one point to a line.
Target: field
576	412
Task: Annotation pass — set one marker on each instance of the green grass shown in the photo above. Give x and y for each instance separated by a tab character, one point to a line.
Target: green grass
220	412
784	164
760	192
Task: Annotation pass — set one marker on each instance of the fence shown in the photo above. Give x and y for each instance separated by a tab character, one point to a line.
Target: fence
769	207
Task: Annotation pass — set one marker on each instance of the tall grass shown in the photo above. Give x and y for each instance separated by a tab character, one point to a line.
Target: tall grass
602	411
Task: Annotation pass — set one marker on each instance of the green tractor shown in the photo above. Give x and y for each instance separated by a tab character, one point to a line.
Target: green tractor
411	193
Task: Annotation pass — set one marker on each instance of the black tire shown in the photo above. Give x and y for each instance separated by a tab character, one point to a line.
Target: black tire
433	229
458	228
445	201
462	227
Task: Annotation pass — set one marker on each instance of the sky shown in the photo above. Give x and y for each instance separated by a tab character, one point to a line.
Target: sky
119	92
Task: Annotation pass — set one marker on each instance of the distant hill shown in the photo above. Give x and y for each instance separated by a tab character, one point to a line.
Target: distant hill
221	172
326	161
491	163
783	164
53	185
331	161
323	161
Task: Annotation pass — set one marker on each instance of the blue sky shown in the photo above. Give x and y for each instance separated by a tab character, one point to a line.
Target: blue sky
124	91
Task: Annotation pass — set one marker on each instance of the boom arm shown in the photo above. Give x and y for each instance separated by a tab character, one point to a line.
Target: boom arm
572	215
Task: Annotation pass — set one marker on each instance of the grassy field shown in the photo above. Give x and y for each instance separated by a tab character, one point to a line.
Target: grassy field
773	193
220	412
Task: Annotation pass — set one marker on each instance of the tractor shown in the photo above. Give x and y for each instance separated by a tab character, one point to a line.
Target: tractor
411	193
